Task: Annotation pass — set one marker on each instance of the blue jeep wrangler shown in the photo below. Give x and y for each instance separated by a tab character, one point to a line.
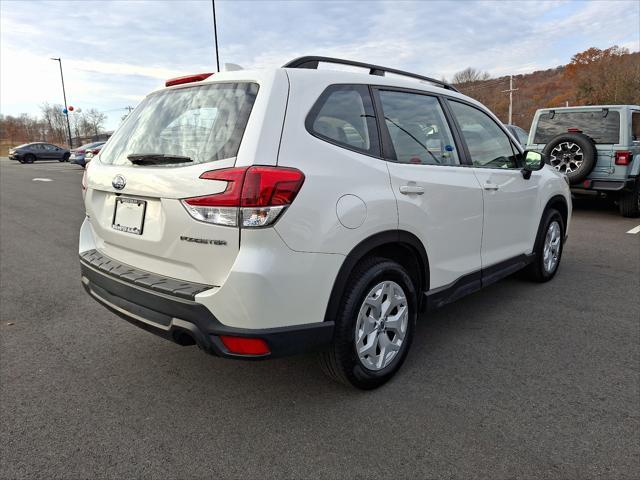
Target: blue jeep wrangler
596	147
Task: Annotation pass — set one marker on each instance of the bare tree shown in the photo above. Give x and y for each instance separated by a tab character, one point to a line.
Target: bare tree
95	119
470	75
55	122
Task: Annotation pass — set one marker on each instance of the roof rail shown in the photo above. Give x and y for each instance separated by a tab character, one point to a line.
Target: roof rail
313	61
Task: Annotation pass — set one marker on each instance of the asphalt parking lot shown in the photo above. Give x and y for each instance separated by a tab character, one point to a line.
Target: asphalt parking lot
519	380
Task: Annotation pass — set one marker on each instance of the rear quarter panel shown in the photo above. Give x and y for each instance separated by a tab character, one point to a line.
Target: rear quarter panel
311	224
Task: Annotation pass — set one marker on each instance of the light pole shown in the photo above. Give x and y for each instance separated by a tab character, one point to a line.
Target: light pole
64	95
215	33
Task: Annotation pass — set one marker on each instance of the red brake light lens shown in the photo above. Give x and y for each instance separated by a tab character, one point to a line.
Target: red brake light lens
270	186
187	79
231	195
623	158
254	196
574	130
245	346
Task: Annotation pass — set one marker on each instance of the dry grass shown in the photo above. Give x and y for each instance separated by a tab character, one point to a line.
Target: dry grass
5	145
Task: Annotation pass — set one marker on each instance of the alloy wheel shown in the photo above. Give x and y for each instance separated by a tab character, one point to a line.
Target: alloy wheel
381	325
551	250
566	157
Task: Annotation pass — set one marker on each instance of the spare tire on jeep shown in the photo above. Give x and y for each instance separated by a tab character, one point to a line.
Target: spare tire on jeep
573	154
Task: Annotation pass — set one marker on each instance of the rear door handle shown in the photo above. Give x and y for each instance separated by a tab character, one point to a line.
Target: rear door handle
491	186
409	189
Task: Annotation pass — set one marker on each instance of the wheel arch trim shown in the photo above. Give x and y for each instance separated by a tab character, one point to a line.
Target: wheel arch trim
564	213
400	238
558	200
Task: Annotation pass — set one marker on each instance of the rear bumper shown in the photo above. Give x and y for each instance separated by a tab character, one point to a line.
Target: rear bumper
596	185
183	320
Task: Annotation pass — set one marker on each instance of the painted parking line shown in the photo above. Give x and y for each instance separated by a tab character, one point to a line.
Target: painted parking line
634	230
37	179
58	169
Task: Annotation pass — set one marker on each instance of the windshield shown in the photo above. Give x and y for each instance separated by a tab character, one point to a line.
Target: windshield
203	123
603	126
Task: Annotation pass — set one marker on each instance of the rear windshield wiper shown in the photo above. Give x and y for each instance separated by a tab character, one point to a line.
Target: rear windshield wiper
156	159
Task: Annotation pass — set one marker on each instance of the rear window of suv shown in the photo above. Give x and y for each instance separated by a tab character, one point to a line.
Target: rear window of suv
204	123
603	126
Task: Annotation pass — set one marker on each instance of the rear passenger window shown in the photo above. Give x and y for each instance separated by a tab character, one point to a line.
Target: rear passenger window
344	115
635	127
418	129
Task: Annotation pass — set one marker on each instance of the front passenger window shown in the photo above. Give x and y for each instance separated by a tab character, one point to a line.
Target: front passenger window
489	146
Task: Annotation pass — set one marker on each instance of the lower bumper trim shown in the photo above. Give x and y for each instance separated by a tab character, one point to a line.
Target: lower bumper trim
172	318
604	185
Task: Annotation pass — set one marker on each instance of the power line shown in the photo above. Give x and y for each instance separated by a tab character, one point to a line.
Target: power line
485	84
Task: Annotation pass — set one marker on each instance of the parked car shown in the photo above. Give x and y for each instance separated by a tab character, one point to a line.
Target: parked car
596	147
266	213
92	153
30	152
521	134
79	155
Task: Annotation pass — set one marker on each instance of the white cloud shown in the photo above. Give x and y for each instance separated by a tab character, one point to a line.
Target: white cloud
115	52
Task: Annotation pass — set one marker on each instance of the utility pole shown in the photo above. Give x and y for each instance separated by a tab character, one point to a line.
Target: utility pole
64	95
215	34
511	90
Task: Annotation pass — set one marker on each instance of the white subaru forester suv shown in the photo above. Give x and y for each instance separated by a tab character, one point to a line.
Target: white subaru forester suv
262	214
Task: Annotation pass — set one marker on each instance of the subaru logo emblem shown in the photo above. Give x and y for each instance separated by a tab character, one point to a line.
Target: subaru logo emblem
118	182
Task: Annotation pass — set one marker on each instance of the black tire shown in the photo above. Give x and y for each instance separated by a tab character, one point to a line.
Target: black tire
29	158
537	271
567	148
341	361
629	202
65	158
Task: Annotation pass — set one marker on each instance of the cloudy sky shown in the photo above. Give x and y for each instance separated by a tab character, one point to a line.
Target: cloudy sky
115	52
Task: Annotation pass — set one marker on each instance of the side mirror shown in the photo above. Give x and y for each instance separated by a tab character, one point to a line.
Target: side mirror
532	161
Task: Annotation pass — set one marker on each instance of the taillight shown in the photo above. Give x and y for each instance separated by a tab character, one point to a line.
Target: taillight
84	182
95	151
80	151
254	196
623	158
245	345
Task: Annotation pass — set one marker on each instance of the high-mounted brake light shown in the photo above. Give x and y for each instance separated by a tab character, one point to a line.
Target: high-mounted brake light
574	130
254	197
623	158
198	77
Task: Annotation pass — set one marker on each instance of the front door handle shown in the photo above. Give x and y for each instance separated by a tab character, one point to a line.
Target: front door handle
408	189
491	186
